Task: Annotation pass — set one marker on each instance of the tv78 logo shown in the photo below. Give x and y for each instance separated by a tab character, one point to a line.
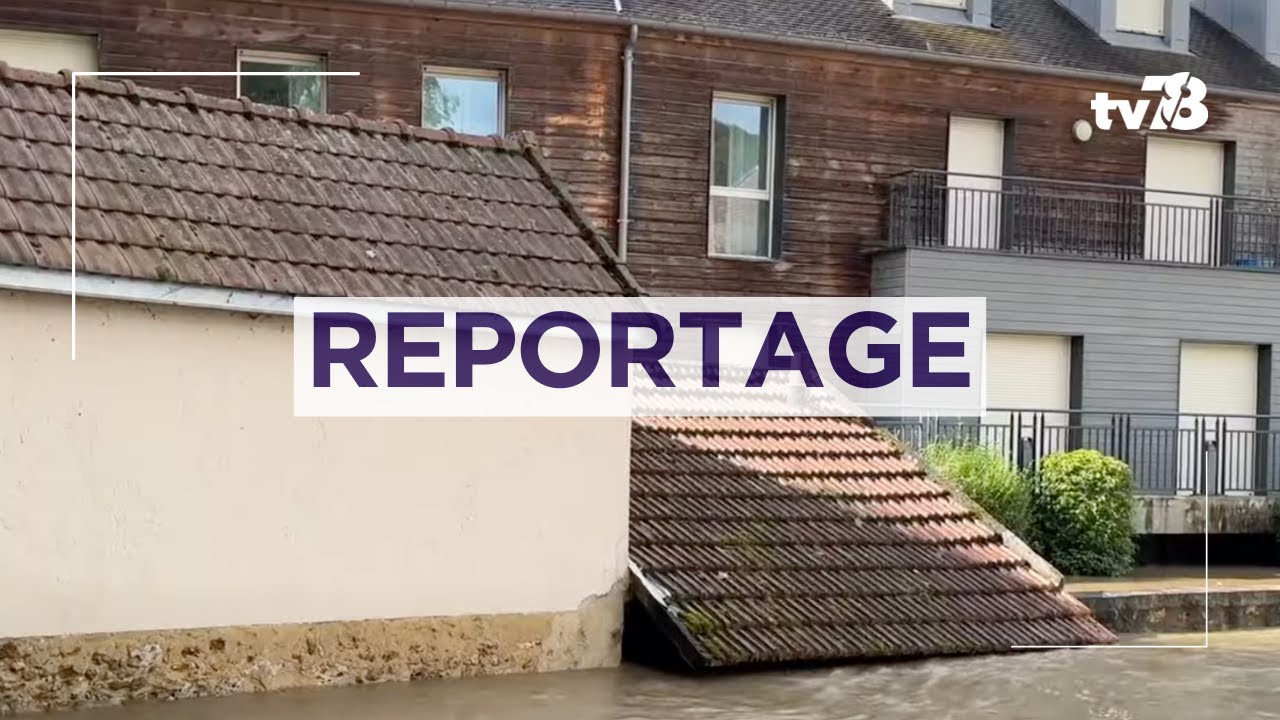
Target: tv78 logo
1181	108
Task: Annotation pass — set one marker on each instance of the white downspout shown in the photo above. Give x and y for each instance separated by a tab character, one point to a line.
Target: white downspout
624	161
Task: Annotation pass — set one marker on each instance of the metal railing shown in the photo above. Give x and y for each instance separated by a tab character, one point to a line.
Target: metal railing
929	208
1168	452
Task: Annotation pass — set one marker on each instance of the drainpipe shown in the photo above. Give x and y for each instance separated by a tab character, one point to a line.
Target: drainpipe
624	160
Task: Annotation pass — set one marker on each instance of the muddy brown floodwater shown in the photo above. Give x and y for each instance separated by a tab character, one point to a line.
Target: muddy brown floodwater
1238	677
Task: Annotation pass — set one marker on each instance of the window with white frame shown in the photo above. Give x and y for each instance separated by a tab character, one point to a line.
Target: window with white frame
742	166
49	52
303	91
965	12
1141	16
468	101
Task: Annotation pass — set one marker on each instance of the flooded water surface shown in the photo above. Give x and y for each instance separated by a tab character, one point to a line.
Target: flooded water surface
1237	677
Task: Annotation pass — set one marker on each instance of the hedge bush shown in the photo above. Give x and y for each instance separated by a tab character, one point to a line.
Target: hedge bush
1082	507
987	478
1275	520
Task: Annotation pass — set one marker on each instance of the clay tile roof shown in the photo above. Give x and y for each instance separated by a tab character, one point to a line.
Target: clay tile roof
179	187
759	540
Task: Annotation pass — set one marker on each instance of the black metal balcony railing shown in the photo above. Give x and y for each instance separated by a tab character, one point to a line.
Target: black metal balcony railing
1168	453
1053	217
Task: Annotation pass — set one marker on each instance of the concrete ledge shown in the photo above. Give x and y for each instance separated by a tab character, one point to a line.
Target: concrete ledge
1186	515
1183	611
55	673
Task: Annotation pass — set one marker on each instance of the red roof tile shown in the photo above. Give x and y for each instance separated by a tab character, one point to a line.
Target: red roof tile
793	539
179	187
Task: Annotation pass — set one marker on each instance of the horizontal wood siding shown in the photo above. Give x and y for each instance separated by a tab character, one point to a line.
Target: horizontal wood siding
563	81
853	122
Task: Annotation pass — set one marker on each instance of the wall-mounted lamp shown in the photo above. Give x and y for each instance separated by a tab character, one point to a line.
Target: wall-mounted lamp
1082	130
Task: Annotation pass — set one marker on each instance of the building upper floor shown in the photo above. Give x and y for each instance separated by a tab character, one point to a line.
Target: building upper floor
772	151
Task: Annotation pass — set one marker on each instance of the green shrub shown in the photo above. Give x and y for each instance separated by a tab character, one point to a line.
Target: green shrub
1082	507
1275	520
987	478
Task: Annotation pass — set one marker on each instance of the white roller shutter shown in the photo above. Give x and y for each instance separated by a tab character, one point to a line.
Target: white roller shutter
1218	379
1031	372
1025	373
1140	16
49	52
1182	214
975	160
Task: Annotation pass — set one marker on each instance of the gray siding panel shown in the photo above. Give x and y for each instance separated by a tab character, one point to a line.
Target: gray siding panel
1133	318
1257	22
1131	373
888	275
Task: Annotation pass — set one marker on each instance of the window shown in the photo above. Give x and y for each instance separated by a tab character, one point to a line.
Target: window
742	165
49	52
1220	383
468	101
975	183
1029	375
304	91
1141	16
1185	182
959	12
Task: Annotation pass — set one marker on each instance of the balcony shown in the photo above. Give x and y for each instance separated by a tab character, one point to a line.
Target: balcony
1169	453
1029	216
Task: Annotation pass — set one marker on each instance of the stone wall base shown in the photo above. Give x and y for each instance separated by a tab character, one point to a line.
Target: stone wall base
1186	515
72	671
1184	611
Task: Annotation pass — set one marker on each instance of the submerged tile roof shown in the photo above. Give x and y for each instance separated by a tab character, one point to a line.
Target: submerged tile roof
179	187
798	539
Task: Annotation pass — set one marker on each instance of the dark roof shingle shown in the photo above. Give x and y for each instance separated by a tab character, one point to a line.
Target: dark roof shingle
762	540
178	187
1031	32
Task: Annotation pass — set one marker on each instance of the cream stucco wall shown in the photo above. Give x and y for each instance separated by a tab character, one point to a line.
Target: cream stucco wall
161	481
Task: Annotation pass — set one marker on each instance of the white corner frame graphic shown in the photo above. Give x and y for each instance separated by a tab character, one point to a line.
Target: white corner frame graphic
75	76
1203	646
239	74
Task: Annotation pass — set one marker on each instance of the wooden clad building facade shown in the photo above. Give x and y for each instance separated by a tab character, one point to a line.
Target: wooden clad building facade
843	120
